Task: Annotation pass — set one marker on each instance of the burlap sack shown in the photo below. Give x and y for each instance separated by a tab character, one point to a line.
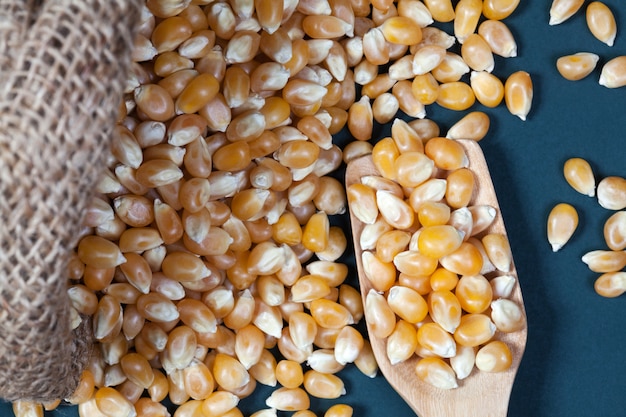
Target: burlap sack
62	68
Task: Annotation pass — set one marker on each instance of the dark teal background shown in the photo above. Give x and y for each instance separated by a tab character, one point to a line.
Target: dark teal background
575	361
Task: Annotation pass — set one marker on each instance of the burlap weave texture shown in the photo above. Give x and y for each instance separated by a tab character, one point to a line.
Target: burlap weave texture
63	64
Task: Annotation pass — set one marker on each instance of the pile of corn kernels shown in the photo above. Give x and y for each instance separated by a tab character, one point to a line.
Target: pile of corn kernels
209	262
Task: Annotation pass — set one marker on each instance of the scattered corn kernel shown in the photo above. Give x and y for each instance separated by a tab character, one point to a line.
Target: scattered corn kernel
562	223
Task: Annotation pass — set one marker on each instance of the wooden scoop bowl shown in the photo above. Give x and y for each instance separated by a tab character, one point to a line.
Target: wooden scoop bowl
481	394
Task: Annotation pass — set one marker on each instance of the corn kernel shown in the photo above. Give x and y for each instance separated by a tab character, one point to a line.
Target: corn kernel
577	66
605	260
498	36
499	9
612	193
562	223
494	357
611	284
601	22
561	10
436	372
518	94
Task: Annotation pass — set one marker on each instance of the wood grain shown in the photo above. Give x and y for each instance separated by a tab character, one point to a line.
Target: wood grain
481	394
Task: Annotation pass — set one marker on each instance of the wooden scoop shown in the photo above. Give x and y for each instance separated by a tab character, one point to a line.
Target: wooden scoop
481	394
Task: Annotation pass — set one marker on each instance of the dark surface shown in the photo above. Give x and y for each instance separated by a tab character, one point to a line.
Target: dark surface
575	362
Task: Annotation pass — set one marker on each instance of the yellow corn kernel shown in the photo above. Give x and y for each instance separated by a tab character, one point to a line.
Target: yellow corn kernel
499	9
316	232
407	303
498	250
612	193
375	47
605	260
183	266
321	385
474	293
348	345
435	339
443	280
385	107
155	102
170	62
427	58
432	213
499	38
338	410
264	371
444	308
137	369
447	154
324	26
433	189
244	127
97	252
409	104
289	399
463	362
413	168
436	372
219	403
23	408
249	345
395	211
146	407
477	53
488	88
474	330
366	362
361	119
483	216
379	315
456	95
615	231
401	30
107	320
439	241
170	33
611	284
518	94
330	314
289	373
391	243
495	356
308	288
379	85
425	88
402	342
113	402
561	10
579	174
601	22
577	66
507	315
467	13
197	94
173	84
414	263
440	10
381	274
384	155
451	68
466	260
229	373
474	126
562	223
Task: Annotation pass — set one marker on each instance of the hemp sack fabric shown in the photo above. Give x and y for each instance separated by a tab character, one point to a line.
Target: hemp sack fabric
63	64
